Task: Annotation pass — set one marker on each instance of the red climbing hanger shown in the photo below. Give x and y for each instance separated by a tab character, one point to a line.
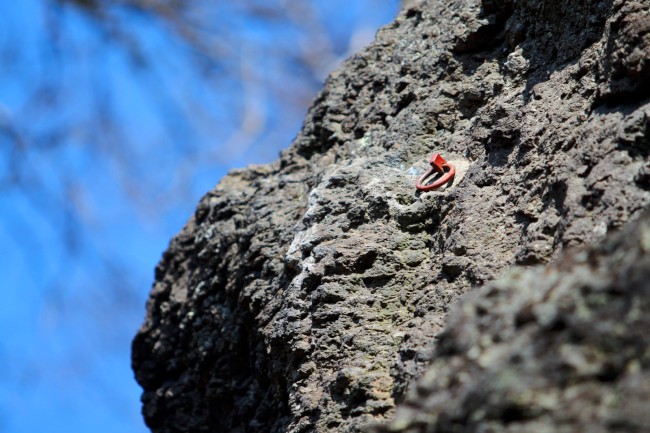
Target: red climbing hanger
439	166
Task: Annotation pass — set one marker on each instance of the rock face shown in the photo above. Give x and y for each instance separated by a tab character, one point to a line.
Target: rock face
305	295
564	348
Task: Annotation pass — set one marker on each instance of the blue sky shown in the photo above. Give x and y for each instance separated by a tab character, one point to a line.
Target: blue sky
97	201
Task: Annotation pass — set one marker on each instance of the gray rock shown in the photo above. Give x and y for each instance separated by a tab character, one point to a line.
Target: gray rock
305	295
561	348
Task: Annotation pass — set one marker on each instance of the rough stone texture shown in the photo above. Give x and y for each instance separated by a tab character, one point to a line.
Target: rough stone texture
304	295
563	348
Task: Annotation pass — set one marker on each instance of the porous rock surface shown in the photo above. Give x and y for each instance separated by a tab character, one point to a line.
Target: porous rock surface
305	295
562	348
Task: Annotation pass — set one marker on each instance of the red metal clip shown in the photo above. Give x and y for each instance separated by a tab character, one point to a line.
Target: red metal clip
438	166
